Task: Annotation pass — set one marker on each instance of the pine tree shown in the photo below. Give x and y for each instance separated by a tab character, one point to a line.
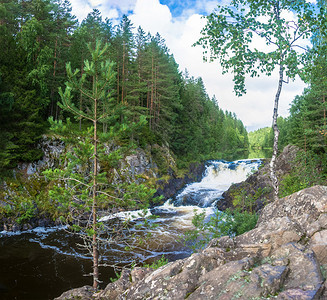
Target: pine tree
96	96
124	47
62	26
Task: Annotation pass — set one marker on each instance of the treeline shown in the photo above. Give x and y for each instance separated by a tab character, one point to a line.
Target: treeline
263	138
39	37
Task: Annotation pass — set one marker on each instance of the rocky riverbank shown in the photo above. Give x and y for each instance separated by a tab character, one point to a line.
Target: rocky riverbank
169	188
283	257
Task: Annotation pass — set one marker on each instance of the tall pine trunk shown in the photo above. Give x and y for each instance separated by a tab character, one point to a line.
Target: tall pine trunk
123	76
95	252
324	104
52	105
81	95
118	78
100	71
152	94
324	131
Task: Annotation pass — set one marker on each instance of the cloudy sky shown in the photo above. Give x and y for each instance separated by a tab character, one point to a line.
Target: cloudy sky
179	23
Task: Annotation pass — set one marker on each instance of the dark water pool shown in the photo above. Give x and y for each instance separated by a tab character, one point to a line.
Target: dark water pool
44	263
33	268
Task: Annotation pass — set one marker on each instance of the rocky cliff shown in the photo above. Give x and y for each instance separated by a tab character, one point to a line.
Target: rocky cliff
283	257
28	183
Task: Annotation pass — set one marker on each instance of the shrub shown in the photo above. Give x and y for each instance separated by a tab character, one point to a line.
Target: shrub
307	170
158	263
231	223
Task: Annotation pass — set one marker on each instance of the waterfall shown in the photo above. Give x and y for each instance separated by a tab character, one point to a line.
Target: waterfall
218	177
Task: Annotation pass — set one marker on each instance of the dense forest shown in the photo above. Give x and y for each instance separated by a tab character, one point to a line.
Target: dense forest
37	40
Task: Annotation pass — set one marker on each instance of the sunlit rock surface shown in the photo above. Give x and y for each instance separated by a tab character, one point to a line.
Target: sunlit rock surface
284	257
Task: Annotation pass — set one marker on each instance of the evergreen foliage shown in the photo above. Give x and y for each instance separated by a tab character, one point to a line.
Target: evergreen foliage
39	37
84	185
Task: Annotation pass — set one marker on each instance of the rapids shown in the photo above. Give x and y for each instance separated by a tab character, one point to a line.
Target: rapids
43	262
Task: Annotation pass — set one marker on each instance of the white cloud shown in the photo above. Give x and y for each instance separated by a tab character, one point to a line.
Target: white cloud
80	8
152	16
95	3
108	9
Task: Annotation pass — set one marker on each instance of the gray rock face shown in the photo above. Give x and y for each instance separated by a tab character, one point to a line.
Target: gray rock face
138	163
282	258
138	166
83	293
52	149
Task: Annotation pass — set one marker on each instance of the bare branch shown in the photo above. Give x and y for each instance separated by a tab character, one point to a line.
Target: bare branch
298	46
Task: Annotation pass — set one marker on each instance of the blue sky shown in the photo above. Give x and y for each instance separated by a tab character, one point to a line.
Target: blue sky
179	8
180	23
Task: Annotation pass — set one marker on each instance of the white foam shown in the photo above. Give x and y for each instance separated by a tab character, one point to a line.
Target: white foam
58	250
127	215
37	230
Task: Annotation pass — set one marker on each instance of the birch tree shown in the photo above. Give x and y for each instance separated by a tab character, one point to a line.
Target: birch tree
234	31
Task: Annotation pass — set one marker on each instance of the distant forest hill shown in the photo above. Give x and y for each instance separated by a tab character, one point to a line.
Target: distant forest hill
39	37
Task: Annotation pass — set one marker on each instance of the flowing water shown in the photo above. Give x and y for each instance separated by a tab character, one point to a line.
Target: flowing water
42	263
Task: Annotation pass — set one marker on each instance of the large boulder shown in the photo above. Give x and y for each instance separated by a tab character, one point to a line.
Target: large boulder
83	293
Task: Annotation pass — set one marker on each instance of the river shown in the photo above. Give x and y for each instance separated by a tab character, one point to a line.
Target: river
44	262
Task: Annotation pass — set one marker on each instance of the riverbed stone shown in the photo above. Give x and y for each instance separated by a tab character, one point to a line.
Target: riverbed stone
319	246
270	278
298	294
84	293
114	289
304	268
139	273
304	207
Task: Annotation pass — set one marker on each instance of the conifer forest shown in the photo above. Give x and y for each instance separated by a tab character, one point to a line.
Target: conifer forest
39	38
